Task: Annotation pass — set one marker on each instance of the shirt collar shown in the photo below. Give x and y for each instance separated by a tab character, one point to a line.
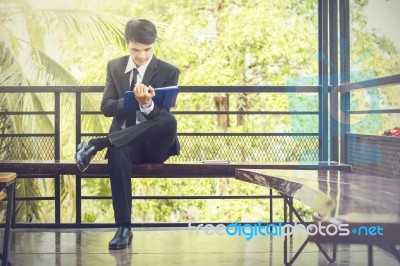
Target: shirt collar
131	65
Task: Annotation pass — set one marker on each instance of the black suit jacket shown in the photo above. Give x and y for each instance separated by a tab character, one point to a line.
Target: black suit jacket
158	74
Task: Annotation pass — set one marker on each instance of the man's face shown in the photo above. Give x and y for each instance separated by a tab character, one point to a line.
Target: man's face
140	53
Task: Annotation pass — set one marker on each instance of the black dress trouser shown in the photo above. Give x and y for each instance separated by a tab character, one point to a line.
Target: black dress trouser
148	142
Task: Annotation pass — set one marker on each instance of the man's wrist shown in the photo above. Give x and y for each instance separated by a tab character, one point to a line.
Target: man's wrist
145	105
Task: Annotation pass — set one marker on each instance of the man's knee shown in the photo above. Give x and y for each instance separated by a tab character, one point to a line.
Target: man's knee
167	121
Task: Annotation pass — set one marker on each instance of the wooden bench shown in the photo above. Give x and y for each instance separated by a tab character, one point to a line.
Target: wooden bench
187	169
369	205
7	186
28	169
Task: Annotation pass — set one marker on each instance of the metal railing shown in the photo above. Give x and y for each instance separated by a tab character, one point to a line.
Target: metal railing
293	143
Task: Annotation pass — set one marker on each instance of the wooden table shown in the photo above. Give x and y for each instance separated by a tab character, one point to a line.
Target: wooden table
370	205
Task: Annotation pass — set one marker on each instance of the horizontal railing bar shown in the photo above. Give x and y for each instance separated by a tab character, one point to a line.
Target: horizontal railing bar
94	176
179	134
245	113
225	113
28	113
378	82
382	111
184	197
191	89
28	135
51	89
247	134
27	176
256	89
223	134
93	134
91	113
35	198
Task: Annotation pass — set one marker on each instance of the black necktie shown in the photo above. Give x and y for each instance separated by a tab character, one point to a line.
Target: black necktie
134	79
131	119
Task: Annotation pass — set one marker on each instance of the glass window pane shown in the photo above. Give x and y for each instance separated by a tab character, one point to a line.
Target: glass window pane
375	39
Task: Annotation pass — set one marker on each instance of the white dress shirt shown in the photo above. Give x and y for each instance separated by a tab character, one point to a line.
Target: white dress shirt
141	70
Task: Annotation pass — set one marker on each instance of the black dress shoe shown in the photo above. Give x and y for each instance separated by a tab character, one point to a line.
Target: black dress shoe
121	239
85	152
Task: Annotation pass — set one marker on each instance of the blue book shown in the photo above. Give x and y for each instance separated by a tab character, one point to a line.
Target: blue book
165	98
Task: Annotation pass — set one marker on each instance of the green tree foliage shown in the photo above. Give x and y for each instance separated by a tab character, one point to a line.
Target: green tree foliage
372	55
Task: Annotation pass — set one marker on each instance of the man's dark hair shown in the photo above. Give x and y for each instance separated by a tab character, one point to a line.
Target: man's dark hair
141	31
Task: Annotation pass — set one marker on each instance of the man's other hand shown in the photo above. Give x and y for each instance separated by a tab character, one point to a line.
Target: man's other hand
143	94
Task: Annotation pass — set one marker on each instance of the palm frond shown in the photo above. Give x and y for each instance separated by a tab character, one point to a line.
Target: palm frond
40	69
75	24
13	76
32	67
11	73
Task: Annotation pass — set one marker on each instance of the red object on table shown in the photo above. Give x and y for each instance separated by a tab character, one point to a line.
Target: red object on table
393	132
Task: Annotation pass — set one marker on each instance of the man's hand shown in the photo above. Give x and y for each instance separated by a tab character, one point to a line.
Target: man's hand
143	94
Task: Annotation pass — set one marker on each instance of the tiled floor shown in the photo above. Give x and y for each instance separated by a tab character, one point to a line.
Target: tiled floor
173	246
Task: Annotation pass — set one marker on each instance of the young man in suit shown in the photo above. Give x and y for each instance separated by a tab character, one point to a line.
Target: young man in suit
145	136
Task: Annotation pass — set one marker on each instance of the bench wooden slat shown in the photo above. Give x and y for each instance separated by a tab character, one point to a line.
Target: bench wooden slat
6	177
195	169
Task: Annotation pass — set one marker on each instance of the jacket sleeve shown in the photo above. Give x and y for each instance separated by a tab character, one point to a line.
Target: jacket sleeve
172	80
111	104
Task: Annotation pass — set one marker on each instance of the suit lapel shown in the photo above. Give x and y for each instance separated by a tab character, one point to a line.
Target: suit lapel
150	71
126	86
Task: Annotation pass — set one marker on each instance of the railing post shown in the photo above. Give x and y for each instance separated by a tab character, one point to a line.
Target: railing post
334	69
78	180
57	143
345	75
323	78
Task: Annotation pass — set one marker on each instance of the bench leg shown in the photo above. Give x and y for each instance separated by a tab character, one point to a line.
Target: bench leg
9	214
14	211
370	256
289	202
285	251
